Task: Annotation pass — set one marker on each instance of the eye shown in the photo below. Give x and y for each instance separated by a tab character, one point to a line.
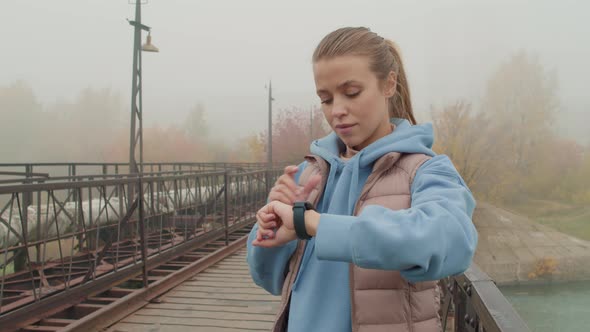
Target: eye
353	94
326	101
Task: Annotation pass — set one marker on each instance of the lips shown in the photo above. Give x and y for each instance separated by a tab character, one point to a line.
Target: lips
344	129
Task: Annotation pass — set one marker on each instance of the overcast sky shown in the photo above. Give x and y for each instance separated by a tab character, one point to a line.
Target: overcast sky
222	53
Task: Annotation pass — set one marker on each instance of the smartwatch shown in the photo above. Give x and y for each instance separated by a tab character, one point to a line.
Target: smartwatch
299	209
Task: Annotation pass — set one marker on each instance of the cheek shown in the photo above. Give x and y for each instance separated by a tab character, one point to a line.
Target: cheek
327	114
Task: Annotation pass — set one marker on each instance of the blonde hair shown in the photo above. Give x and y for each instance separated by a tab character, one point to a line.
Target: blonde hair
384	58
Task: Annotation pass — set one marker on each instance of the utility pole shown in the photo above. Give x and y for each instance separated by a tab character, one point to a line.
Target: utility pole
270	100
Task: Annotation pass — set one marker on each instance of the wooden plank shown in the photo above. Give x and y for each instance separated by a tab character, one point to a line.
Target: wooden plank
232	267
224	274
227	271
222	279
198	322
238	261
204	295
209	301
260	309
217	290
41	328
206	314
56	321
135	327
221	284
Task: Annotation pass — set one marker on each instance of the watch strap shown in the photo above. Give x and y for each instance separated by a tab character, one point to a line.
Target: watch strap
299	209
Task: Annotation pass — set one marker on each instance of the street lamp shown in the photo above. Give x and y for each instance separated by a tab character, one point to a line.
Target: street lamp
148	46
136	132
137	135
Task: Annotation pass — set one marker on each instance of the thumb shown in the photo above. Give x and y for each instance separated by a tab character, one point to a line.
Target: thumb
291	170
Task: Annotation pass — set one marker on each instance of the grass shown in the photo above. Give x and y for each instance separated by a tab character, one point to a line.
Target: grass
575	225
565	217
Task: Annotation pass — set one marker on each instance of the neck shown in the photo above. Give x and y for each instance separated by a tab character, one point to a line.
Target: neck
380	133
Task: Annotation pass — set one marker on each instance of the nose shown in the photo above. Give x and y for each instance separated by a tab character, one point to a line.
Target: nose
339	108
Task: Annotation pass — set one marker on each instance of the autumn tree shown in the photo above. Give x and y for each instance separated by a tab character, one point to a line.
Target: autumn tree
22	118
521	102
463	135
292	133
195	124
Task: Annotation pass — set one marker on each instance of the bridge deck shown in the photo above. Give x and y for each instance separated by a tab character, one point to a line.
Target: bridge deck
222	298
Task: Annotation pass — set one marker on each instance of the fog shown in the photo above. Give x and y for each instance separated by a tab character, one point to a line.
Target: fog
221	54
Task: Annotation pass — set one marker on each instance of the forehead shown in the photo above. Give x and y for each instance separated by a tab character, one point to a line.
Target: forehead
331	73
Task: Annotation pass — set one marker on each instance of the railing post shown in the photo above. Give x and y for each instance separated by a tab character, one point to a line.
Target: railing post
21	255
225	207
73	174
460	308
142	232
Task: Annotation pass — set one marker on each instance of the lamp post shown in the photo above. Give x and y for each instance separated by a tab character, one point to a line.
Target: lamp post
136	132
269	140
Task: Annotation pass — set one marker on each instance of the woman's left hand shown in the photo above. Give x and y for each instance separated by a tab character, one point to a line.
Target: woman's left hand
285	232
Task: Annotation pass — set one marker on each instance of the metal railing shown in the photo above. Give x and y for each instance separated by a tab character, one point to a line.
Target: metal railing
23	171
58	236
473	303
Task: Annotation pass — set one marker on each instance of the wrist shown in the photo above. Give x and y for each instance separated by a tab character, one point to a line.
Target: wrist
312	221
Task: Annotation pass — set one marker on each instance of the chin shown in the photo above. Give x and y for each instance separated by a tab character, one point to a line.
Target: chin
349	141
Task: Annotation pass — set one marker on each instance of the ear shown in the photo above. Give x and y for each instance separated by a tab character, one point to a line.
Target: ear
390	85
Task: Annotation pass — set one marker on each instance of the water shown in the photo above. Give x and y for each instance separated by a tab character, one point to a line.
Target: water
552	308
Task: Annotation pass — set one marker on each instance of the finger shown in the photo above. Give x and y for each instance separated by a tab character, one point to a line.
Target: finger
266	217
281	237
291	169
304	192
261	234
284	192
269	225
287	180
279	196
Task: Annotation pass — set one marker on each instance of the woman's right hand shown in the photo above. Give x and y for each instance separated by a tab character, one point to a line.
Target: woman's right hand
287	191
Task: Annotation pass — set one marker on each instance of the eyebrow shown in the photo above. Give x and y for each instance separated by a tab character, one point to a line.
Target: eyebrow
340	85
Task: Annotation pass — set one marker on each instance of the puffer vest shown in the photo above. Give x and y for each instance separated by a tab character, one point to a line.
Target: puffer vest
381	300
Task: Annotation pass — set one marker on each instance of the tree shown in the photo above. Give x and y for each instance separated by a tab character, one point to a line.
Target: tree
22	118
521	97
293	131
463	135
195	124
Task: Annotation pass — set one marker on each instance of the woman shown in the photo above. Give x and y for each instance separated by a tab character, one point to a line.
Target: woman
390	216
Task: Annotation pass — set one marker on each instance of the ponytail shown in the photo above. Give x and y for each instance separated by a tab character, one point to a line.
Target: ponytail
400	104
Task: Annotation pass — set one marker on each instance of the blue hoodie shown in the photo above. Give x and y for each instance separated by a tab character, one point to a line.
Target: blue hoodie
432	239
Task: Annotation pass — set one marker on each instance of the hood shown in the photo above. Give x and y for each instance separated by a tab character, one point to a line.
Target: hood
346	179
404	139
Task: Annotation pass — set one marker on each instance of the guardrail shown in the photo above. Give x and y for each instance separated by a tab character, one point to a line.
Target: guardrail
58	235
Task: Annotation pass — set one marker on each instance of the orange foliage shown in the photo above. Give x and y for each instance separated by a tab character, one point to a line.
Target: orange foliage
160	145
292	133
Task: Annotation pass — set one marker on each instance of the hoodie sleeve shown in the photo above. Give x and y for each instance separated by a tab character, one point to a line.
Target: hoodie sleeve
268	265
432	239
